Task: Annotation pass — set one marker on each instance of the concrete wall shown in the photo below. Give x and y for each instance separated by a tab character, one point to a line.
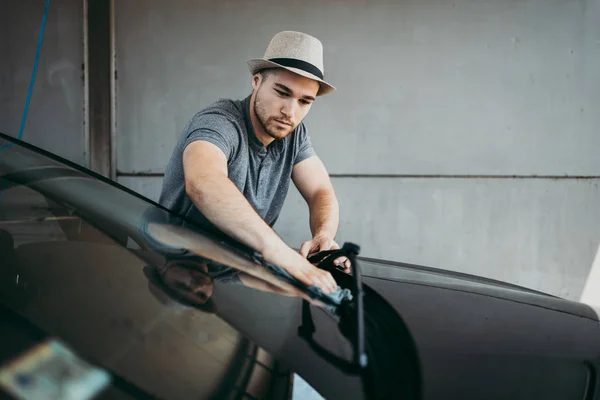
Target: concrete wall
426	87
438	103
56	114
428	90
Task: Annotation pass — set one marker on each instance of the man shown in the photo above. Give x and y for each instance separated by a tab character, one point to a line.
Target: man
234	162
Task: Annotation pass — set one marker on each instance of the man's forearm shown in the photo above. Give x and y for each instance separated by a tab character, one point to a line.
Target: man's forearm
221	202
324	214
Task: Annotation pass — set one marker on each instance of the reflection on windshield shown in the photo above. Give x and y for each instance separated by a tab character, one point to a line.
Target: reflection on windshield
181	280
77	261
99	251
71	195
216	261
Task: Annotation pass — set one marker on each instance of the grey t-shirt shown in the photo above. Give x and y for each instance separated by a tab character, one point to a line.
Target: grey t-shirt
262	174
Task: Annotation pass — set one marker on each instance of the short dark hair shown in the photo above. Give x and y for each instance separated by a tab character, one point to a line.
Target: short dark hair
265	73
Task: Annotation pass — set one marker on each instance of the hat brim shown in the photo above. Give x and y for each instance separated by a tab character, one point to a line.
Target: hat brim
258	64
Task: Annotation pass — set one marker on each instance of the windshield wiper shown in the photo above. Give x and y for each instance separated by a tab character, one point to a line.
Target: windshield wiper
346	304
351	310
385	355
389	367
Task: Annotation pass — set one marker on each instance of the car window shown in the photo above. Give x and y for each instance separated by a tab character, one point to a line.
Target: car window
172	308
76	261
27	217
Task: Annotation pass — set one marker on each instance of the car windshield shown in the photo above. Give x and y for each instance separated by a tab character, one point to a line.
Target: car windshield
42	199
122	279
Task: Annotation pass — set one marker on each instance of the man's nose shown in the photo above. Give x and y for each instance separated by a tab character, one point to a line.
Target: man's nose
288	108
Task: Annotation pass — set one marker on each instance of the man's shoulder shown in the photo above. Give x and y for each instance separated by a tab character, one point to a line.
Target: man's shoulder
301	133
223	116
220	122
301	143
221	110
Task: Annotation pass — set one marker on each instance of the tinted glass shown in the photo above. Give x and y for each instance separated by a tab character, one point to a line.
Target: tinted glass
78	262
173	310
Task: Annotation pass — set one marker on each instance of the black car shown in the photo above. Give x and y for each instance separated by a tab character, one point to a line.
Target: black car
167	310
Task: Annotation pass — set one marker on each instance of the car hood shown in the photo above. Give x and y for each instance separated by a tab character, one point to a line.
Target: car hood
377	272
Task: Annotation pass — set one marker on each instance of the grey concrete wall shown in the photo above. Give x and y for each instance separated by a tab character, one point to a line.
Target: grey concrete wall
56	114
537	233
430	89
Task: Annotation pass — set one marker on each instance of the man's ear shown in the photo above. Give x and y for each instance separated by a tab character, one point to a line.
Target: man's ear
256	80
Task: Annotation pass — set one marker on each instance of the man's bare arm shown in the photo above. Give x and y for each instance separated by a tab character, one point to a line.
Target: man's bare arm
210	189
313	183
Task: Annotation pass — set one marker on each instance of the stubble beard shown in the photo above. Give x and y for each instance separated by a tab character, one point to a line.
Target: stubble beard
268	124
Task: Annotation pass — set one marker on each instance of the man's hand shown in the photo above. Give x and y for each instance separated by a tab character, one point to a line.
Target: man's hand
300	268
322	243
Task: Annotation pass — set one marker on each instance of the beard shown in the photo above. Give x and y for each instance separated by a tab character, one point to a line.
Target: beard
269	123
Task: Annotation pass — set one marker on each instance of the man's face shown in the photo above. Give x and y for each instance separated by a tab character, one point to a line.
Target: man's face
282	101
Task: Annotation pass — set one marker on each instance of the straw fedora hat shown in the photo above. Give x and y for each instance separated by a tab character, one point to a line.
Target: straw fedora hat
296	52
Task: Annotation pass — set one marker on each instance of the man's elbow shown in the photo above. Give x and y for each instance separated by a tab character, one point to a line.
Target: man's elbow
196	188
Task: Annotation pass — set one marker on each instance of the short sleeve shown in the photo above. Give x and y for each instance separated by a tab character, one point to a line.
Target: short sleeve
216	129
305	148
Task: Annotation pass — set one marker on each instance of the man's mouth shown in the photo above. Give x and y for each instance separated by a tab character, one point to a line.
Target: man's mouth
283	122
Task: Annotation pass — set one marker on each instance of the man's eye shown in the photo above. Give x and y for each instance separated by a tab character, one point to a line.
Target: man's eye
279	92
305	102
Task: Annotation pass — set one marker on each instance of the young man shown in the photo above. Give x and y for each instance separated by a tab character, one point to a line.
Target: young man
235	160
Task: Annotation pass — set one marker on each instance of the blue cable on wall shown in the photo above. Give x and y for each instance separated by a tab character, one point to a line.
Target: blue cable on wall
32	82
33	75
